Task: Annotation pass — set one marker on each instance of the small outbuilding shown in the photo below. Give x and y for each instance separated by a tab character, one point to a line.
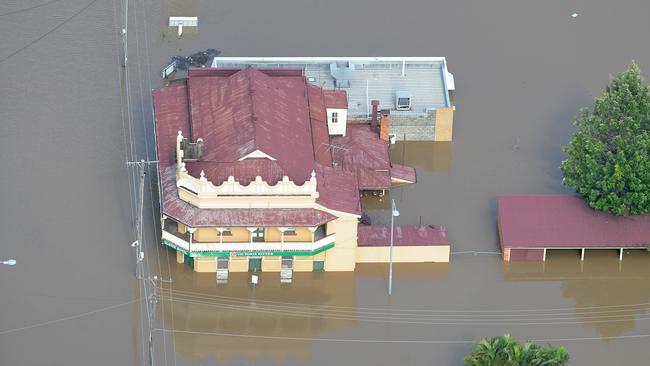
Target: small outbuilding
411	244
530	225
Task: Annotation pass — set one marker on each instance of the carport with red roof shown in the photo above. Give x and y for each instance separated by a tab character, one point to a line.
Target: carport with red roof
529	225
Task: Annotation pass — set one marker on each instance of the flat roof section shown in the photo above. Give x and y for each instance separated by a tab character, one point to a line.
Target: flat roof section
379	236
426	79
564	221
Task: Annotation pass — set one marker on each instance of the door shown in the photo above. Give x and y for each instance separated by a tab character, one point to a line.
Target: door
258	234
254	264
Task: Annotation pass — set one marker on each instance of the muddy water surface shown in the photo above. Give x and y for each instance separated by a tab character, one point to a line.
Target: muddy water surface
522	70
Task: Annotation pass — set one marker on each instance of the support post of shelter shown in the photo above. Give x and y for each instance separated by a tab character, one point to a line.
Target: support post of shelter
620	255
544	258
582	255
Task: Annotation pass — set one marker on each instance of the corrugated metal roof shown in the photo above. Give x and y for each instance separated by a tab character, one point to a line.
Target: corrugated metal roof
363	153
378	236
562	221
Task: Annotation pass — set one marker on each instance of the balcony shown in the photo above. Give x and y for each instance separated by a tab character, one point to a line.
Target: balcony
265	248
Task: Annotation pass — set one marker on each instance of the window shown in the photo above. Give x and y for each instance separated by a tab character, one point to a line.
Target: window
222	263
290	231
319	266
287	262
226	231
258	234
335	117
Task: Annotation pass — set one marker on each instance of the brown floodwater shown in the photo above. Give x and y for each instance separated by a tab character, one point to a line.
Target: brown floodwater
522	71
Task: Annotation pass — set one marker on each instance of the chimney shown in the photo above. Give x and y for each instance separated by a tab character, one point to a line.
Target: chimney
373	121
384	128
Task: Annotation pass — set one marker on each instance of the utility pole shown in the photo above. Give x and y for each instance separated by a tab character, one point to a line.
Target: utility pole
393	214
139	255
153	299
139	268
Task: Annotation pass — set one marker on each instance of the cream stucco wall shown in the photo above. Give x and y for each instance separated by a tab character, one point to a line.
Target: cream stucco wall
205	264
342	256
403	254
444	124
273	234
239	264
271	264
303	264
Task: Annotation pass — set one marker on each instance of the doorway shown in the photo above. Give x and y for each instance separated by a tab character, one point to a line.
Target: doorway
254	264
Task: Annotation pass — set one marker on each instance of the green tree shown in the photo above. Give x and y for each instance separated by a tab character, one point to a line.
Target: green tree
506	351
609	154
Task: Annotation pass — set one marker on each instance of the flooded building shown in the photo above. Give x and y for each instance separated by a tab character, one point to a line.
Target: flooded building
531	225
413	92
249	176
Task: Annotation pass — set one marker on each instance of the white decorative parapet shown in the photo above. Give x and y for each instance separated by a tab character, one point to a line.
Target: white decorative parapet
203	188
251	247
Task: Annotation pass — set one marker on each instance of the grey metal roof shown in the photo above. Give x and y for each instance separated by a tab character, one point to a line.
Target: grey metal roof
426	79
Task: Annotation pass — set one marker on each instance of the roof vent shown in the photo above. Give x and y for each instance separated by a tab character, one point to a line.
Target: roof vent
403	101
342	72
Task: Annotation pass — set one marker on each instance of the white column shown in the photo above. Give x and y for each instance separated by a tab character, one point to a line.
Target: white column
313	232
620	256
582	256
544	255
220	230
191	230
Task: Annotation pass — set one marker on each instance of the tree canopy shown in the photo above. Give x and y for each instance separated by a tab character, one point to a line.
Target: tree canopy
609	154
506	351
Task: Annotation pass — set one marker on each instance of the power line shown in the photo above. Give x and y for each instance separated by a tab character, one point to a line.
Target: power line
397	312
30	8
354	308
69	317
398	341
49	32
413	321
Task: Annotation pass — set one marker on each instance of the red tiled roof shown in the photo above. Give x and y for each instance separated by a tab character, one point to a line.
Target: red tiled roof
335	98
377	236
562	221
362	152
403	174
193	216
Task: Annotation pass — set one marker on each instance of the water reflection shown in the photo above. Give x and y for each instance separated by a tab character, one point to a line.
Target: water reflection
297	310
608	294
315	305
427	155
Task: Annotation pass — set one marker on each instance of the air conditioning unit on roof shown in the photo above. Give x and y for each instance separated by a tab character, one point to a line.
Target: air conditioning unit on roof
403	101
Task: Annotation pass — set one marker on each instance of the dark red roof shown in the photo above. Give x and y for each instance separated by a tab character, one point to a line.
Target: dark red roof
338	190
402	173
363	153
243	171
193	216
250	110
562	221
335	98
236	112
172	115
319	130
378	236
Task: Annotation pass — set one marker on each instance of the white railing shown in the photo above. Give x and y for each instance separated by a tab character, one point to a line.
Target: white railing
250	247
182	243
